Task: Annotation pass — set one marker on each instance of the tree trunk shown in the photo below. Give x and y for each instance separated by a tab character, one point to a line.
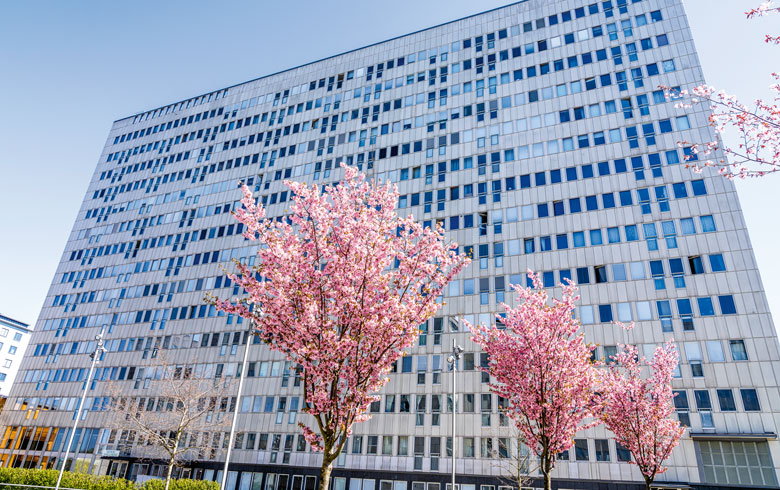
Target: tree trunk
546	466
327	466
172	461
170	473
648	482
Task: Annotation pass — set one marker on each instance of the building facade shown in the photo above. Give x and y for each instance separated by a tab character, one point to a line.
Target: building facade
538	136
14	338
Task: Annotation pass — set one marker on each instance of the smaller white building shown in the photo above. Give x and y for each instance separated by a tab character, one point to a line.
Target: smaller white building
14	337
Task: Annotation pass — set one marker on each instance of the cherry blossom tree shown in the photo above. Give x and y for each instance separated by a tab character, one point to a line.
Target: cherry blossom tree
639	410
756	125
341	288
762	10
542	366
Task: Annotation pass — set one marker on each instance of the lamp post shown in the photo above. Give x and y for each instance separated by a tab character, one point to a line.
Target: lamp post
95	359
453	359
238	407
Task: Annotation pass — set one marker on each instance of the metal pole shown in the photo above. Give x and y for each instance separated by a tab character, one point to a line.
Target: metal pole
238	407
453	359
454	411
95	359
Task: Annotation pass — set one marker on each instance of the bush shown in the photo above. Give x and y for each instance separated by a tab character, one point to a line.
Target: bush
84	481
180	485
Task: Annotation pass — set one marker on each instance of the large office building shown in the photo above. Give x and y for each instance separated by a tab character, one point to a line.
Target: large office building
538	136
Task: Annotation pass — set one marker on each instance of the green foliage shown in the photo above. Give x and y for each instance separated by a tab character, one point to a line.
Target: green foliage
180	485
84	481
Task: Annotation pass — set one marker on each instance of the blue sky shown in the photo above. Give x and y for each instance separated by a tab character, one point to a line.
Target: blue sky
68	69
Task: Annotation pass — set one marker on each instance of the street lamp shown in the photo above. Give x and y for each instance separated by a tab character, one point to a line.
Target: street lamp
453	359
95	359
238	406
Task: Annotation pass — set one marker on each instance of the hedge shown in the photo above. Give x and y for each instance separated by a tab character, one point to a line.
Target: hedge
180	485
83	481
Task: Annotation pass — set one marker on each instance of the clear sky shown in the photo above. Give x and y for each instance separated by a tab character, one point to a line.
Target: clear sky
68	69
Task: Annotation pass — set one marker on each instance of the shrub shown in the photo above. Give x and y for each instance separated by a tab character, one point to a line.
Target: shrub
82	481
180	485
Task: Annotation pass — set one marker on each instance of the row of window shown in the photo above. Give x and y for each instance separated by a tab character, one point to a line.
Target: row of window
540	178
525	181
521	125
610	106
505	78
726	403
582	275
526	212
184	218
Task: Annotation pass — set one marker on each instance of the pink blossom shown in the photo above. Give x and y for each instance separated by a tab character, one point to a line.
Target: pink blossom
341	289
757	125
639	411
542	366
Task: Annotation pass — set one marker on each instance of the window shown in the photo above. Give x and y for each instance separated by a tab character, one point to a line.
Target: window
693	353
586	315
582	275
602	450
605	313
687	226
623	454
735	463
738	352
698	188
581	449
600	273
406	364
468	447
403	445
686	313
387	445
624	312
715	351
373	444
750	400
705	306
682	407
727	306
726	400
702	400
665	315
716	263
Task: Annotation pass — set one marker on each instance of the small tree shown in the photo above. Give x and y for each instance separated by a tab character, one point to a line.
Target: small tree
515	465
542	366
344	285
756	125
180	417
639	411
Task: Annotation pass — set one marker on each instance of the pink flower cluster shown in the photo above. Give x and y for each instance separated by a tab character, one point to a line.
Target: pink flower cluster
542	366
342	285
638	410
